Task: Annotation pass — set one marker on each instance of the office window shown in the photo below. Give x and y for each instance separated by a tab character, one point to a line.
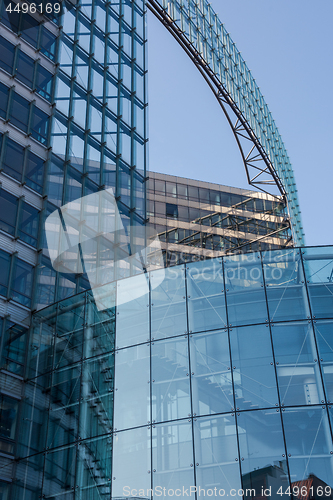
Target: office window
29	219
13	159
8	414
48	43
12	20
22	282
25	69
44	83
8	212
6	55
29	29
34	172
3	100
171	210
19	114
40	126
4	272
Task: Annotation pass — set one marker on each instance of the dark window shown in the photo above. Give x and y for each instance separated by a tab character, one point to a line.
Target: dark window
19	115
12	20
214	197
171	210
6	55
48	43
8	212
193	193
8	414
13	159
4	272
3	100
22	282
40	126
14	346
29	218
183	213
44	83
34	172
25	69
29	29
204	195
182	191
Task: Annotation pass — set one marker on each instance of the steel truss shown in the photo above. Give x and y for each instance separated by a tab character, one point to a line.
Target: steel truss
256	149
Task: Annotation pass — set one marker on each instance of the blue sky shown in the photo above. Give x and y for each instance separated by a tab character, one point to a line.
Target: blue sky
288	46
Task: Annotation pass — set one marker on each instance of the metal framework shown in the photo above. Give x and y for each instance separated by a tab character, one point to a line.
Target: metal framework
198	30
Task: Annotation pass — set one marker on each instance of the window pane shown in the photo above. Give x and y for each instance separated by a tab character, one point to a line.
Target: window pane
29	29
13	159
246	300
34	172
324	336
19	114
25	69
206	302
8	416
48	43
132	309
284	280
173	457
29	223
3	100
22	282
14	348
4	272
170	380
8	212
309	443
297	364
40	126
132	367
262	450
253	369
131	461
318	265
216	453
168	312
211	373
6	55
44	83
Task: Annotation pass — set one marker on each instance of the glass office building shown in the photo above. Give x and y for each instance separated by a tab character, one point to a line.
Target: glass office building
213	374
224	384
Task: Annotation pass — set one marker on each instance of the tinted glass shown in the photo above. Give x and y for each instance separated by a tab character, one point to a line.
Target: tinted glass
324	337
48	43
8	212
4	271
211	373
3	100
19	113
22	282
44	83
29	224
6	55
13	159
29	29
25	69
40	125
34	172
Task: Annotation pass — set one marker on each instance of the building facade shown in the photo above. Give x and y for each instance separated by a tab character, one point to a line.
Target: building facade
225	380
224	384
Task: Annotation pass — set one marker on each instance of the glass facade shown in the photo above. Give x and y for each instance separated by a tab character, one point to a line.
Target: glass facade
212	379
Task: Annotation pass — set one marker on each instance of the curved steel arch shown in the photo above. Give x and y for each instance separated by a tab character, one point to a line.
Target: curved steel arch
198	30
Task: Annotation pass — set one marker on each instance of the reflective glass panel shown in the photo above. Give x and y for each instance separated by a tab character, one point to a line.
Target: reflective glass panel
132	375
60	466
286	292
309	444
4	272
93	472
253	369
168	308
22	282
324	336
13	159
297	364
19	114
173	457
262	450
318	265
8	212
246	300
131	462
132	311
210	373
170	379
206	302
216	453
